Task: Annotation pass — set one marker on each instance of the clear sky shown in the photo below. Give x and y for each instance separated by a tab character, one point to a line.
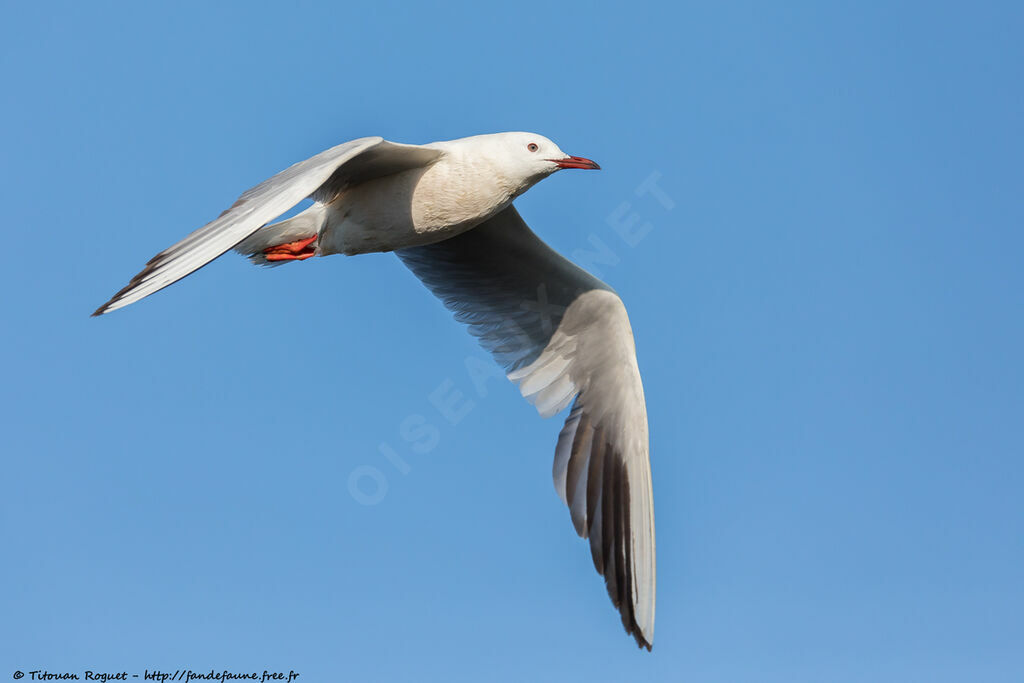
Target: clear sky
827	306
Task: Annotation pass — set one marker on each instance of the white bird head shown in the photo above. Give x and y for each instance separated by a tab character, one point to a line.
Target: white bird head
535	156
524	158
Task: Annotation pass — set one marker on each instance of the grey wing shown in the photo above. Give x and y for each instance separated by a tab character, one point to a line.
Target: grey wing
319	176
562	334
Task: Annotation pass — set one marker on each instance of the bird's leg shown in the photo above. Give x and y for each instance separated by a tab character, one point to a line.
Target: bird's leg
299	250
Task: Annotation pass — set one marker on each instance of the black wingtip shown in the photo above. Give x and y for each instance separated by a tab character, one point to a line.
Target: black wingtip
101	310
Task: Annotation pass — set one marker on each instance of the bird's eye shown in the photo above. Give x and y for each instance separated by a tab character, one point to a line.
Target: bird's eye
532	147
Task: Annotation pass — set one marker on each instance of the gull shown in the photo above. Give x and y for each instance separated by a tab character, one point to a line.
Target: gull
562	335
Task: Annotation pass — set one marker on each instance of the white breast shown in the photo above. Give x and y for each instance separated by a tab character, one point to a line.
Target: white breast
415	207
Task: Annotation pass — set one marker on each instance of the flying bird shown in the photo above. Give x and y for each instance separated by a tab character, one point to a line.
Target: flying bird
562	335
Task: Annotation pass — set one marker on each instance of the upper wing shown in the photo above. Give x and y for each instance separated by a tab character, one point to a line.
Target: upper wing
320	176
562	333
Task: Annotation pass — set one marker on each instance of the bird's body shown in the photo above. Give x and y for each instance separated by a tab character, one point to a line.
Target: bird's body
463	187
562	335
416	207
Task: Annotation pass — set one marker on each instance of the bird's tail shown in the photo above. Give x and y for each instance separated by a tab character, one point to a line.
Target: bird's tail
298	228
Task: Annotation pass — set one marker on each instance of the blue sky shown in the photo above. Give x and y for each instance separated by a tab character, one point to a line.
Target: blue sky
827	310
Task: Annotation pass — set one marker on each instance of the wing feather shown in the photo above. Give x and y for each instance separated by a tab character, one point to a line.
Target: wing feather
562	334
319	176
